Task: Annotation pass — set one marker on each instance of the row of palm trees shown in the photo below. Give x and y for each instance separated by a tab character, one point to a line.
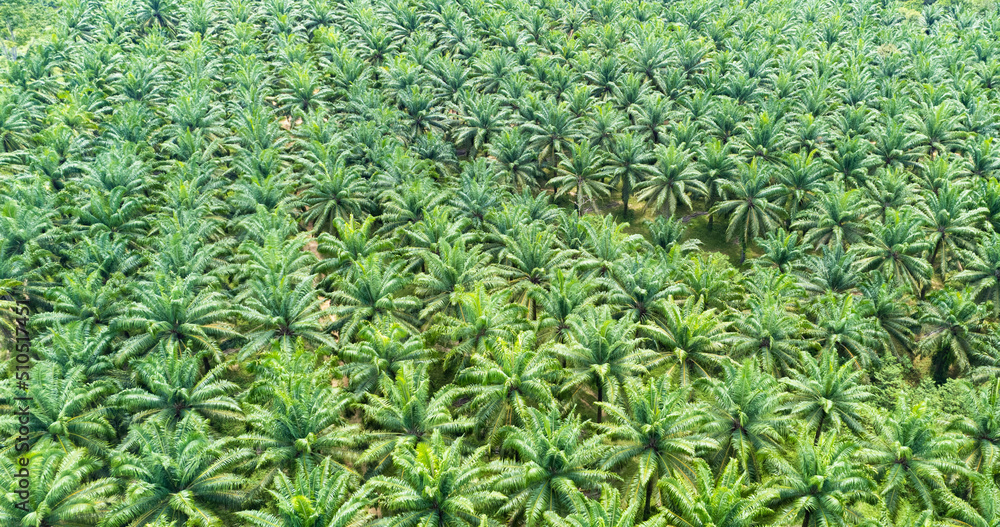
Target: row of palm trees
333	264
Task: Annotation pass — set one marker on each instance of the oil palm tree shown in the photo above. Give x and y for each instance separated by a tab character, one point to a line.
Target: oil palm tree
896	248
628	165
743	417
654	429
982	271
822	483
555	463
176	474
65	489
951	220
957	333
828	393
371	291
324	495
379	350
726	501
752	208
694	337
436	485
501	384
911	460
603	355
582	173
405	415
980	425
674	181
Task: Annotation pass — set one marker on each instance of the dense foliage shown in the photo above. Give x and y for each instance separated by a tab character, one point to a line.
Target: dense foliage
561	263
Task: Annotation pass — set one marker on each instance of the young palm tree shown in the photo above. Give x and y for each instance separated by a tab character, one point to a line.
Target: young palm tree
957	333
500	385
910	458
554	465
835	218
175	313
379	350
828	393
654	429
980	425
628	165
582	173
674	180
752	209
610	511
175	475
743	417
406	415
707	500
64	489
370	292
436	485
770	334
325	495
951	220
982	271
822	482
603	355
170	388
694	337
896	248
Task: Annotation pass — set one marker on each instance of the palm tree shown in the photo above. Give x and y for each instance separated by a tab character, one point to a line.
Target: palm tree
369	292
581	172
743	419
897	249
170	388
628	164
781	249
565	297
770	333
176	474
957	333
331	193
483	323
822	482
554	131
982	271
828	393
705	500
674	178
379	350
910	457
436	485
296	417
65	409
406	415
951	220
694	337
655	430
283	312
979	510
603	354
176	313
835	218
63	491
752	209
981	427
610	511
500	385
324	495
453	267
554	464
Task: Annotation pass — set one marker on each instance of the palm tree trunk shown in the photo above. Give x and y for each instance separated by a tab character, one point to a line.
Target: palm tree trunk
819	429
649	498
600	399
579	198
806	518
